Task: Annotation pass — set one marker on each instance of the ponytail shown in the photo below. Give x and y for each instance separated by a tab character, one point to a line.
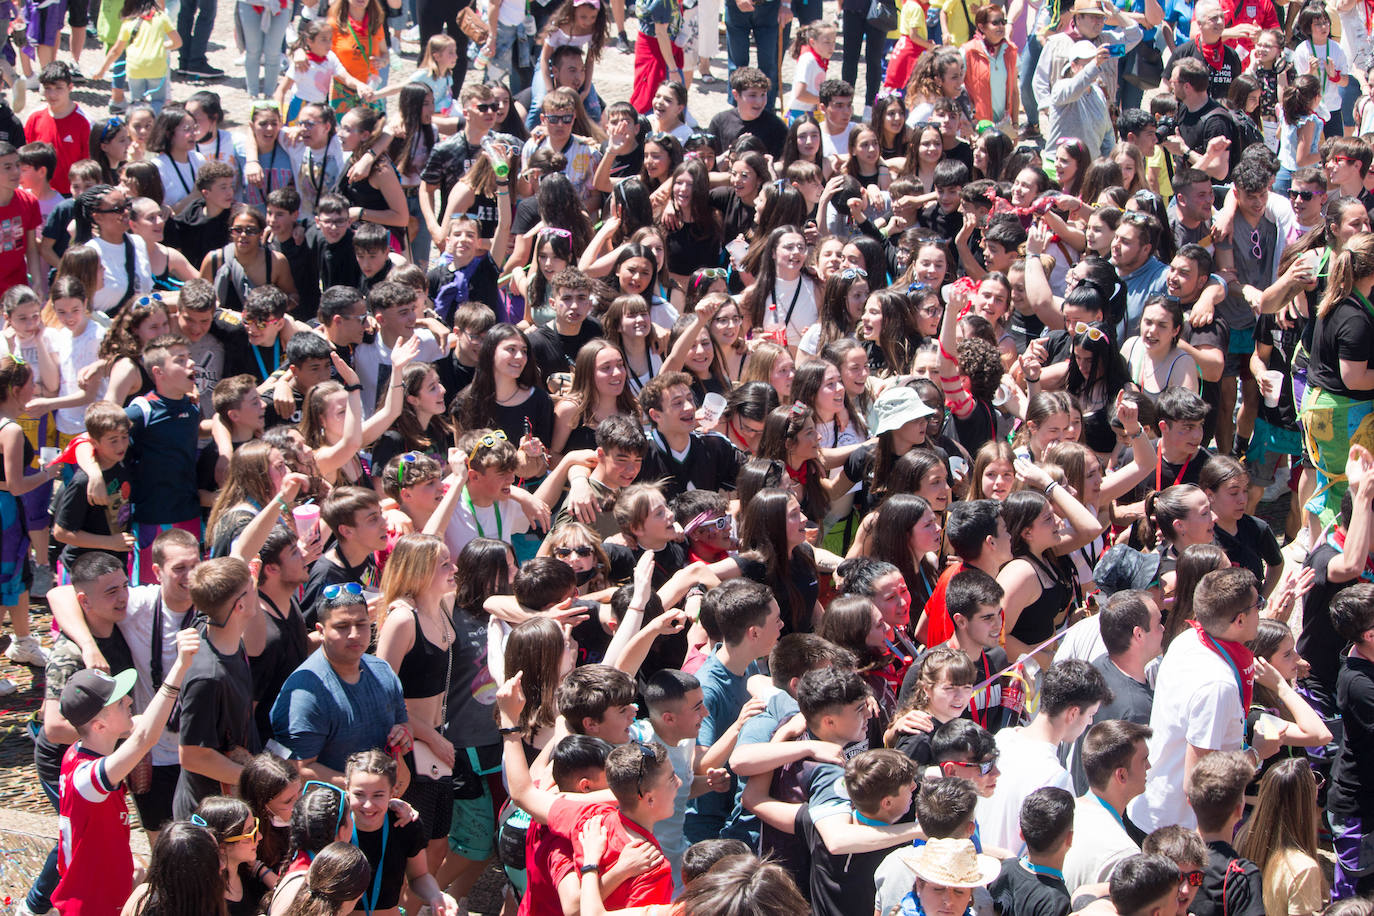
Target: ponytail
1354	261
800	40
86	204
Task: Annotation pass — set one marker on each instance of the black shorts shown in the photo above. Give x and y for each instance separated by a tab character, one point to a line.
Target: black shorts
78	13
433	798
155	805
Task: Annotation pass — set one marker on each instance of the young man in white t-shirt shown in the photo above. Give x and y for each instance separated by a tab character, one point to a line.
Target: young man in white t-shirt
837	104
1202	693
1069	698
483	507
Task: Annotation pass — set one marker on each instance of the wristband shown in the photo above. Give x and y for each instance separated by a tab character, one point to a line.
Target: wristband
352	388
947	355
589	868
1050	486
507	732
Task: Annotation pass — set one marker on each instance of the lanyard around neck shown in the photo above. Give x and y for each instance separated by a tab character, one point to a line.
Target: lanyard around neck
276	344
1110	810
370	900
495	507
1045	870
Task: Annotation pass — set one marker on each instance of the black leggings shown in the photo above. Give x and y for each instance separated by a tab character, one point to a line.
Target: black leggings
437	16
856	32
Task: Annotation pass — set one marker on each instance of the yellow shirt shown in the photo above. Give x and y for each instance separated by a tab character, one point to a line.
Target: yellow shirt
1155	162
911	19
146	54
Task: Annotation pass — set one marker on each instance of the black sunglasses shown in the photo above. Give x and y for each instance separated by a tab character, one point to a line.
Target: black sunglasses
581	550
646	752
1304	196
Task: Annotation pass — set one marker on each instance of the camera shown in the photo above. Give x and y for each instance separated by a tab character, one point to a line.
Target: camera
1165	127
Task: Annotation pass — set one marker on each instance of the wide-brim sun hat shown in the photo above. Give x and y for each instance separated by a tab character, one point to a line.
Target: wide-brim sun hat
1082	49
951	863
896	407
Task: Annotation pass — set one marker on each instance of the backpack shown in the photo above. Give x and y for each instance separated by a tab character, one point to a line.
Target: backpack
1243	128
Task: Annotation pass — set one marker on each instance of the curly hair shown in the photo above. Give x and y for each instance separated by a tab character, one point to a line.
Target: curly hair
982	363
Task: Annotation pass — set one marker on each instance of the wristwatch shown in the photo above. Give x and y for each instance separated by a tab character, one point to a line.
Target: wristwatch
589	868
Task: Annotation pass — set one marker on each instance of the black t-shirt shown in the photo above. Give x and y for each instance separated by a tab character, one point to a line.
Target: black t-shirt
338	262
304	261
917	746
1319	643
592	638
737	215
555	352
1218	80
526	216
453	375
768	127
1017	891
1168	474
196	234
1197	128
837	881
804	582
1347	332
689	249
330	569
1284	343
483	285
976	429
945	225
286	648
537	410
711	463
1240	878
1252	546
389	850
75	513
216	712
961	151
1352	777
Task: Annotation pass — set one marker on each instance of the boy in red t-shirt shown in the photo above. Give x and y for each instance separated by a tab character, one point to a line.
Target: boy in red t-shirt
20	221
643	787
61	123
94	859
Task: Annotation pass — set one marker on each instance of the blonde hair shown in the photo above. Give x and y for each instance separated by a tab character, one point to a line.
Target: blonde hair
1354	262
436	44
409	571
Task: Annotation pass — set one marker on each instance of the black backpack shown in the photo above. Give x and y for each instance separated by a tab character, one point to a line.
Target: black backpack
1242	127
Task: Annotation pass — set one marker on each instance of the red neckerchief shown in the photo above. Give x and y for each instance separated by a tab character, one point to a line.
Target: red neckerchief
1338	538
823	61
1209	52
734	434
800	474
1238	658
315	58
693	555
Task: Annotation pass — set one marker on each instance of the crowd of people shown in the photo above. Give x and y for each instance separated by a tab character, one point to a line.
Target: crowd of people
849	503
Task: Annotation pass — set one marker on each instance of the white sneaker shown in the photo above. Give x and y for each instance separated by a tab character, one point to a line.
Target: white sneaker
7	687
21	909
25	650
411	34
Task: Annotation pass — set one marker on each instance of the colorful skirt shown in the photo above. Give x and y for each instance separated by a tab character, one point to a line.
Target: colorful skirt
14	551
1331	424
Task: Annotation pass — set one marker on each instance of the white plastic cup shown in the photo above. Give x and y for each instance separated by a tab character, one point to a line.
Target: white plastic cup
1267	726
306	518
48	454
1275	377
712	406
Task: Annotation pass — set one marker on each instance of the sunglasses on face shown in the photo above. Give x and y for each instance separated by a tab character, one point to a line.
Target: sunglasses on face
250	835
558	119
1191	878
121	209
984	767
1303	196
244	230
567	553
487	107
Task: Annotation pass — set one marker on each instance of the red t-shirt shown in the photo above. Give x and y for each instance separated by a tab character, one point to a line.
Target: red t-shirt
939	627
1248	12
17	218
552	855
654	886
94	859
71	136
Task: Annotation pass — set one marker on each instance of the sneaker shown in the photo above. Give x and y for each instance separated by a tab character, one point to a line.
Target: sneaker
241	60
118	108
77	75
7	687
204	72
22	909
42	576
622	44
411	34
708	78
32	83
25	650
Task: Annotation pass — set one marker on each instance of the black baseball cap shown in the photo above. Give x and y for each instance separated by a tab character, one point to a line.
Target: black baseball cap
89	691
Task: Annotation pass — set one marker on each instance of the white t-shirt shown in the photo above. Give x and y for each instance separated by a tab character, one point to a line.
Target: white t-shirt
499	521
369	359
798	297
178	180
1197	702
219	148
809	75
73	354
112	261
1036	766
137	627
836	144
1100	841
1330	58
312	83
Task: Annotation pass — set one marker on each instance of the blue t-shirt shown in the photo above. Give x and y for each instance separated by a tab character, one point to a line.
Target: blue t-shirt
781	706
319	716
725	695
162	459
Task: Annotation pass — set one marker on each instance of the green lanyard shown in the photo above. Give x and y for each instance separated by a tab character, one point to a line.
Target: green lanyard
1363	301
495	507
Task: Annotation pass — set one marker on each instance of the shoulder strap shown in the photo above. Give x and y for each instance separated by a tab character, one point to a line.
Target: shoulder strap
130	263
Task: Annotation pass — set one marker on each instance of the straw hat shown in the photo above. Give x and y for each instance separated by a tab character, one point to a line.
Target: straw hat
951	863
1087	7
